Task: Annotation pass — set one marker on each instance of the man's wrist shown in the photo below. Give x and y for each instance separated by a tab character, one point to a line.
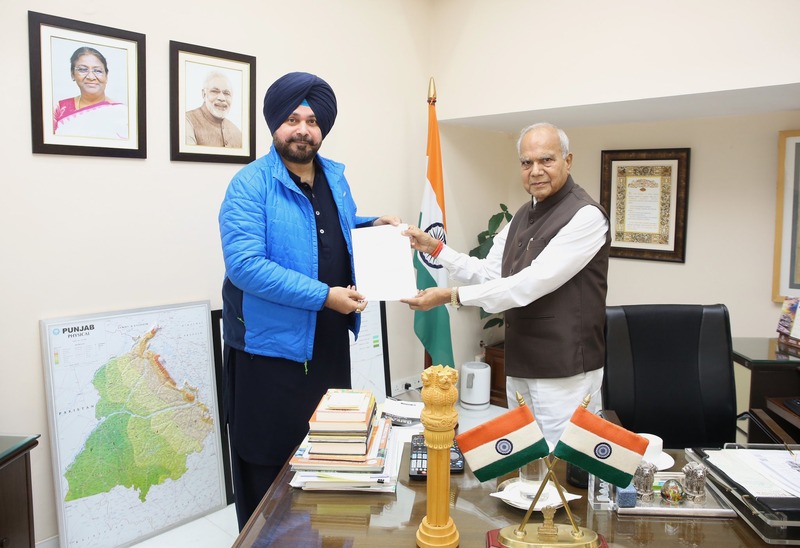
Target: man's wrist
455	302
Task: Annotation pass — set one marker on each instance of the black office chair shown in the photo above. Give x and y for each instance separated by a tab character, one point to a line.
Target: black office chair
669	372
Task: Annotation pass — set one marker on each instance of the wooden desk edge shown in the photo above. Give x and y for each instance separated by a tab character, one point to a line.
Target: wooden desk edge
776	406
270	499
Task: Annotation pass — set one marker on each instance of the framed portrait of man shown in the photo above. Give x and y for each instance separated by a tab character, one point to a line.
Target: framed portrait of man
87	88
212	109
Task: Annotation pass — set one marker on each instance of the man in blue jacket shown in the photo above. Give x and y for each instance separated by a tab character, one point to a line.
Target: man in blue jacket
289	294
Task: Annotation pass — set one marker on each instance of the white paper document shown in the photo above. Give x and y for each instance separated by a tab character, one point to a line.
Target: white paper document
383	262
405	409
762	472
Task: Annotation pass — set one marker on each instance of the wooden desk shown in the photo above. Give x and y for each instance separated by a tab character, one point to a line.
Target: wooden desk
776	406
292	517
16	502
772	374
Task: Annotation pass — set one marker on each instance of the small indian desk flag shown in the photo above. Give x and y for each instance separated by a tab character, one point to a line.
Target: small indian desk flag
503	444
601	448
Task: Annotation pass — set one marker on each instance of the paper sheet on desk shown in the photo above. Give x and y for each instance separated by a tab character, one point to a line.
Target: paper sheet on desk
383	263
520	494
406	409
762	472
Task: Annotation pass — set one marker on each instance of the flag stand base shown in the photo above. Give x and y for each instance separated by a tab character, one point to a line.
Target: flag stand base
557	536
548	534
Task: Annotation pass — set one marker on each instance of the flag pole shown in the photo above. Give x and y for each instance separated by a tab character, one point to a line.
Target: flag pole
432	327
428	361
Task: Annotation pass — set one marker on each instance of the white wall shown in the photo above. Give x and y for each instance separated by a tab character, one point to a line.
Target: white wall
510	56
731	212
87	234
84	235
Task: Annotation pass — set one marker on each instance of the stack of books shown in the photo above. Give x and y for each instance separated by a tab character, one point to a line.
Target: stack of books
342	424
346	445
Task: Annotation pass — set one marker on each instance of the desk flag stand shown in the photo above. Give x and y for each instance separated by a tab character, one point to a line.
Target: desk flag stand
548	533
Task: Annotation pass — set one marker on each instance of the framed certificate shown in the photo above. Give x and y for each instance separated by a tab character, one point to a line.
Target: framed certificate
645	193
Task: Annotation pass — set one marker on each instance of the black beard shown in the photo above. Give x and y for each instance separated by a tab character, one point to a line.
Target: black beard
296	156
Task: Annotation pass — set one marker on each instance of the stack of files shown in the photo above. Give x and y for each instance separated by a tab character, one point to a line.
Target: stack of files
373	461
761	483
378	473
341	425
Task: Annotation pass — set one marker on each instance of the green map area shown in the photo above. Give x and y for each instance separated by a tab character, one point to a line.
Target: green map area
148	427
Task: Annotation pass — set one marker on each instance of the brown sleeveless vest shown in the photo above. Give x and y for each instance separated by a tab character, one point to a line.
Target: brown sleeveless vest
560	334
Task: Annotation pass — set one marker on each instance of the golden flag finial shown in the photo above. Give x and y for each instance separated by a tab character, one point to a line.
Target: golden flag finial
520	399
586	399
432	92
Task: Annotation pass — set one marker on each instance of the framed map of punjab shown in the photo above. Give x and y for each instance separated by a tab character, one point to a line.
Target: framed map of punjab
134	425
645	193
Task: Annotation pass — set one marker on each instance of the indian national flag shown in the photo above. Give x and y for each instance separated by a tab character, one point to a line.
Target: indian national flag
433	327
503	444
601	448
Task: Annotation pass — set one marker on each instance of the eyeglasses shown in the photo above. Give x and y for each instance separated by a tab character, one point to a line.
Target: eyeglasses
96	72
216	92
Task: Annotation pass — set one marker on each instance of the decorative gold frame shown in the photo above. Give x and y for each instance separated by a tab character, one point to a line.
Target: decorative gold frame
787	220
650	225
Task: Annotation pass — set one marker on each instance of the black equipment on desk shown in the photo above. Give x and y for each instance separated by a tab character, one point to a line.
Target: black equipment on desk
793	405
418	462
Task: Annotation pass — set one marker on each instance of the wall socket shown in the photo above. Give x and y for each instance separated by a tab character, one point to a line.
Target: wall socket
408	383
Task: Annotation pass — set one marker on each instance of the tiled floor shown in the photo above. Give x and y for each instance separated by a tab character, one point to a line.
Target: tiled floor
217	530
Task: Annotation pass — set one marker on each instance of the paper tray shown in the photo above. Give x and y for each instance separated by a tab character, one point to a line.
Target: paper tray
713	507
772	527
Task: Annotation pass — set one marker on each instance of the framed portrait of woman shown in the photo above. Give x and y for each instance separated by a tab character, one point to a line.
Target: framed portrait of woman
87	88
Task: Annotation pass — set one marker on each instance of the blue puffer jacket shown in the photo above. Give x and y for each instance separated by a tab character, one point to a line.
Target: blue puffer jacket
271	294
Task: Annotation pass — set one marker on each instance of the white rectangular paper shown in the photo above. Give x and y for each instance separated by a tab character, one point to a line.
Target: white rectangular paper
762	472
383	261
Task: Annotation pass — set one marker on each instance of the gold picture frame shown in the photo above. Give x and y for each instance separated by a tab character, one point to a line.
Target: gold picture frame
645	193
786	267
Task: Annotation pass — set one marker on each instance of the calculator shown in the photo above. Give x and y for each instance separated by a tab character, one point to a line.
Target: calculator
418	463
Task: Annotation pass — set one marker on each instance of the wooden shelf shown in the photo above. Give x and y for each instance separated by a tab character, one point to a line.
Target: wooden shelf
496	358
16	502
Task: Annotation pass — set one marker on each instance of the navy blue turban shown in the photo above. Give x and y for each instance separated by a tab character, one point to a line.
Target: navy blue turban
290	90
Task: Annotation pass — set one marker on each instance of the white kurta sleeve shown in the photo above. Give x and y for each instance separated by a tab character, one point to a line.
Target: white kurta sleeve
566	255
